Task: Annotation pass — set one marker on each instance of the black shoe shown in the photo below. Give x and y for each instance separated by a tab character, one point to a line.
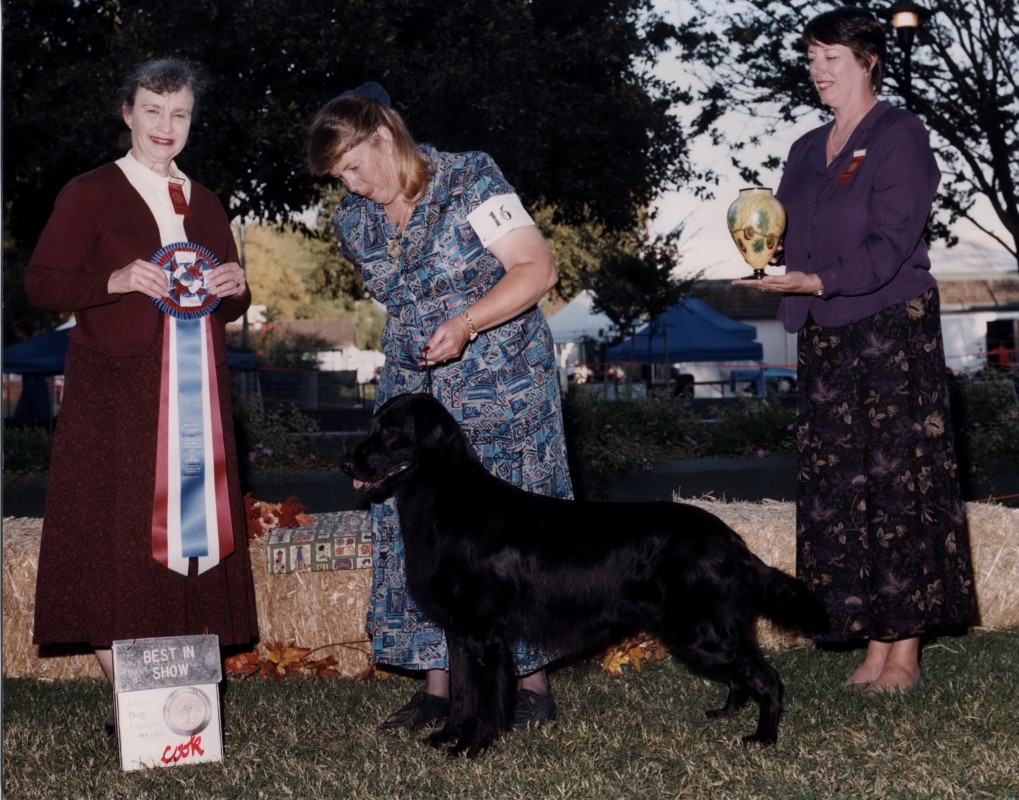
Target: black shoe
532	710
423	709
110	724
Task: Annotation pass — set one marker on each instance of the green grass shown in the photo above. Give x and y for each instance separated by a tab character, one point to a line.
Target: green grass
640	736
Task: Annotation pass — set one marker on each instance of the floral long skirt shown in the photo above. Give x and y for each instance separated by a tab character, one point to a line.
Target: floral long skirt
880	525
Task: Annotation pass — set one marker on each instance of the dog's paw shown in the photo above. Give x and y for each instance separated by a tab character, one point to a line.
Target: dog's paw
759	739
442	737
468	749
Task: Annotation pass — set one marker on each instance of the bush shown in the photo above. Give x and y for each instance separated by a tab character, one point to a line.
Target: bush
986	417
27	449
749	427
273	439
611	438
277	349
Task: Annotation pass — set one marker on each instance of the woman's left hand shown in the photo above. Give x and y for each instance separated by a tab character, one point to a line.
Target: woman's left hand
790	283
447	343
227	280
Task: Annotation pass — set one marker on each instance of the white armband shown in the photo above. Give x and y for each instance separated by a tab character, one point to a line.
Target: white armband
498	215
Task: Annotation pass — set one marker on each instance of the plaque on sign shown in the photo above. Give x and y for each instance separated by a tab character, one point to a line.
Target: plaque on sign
166	698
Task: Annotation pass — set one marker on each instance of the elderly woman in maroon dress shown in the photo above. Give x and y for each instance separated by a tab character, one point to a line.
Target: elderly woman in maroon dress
111	562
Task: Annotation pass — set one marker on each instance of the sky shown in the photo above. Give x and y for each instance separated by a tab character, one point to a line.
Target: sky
706	243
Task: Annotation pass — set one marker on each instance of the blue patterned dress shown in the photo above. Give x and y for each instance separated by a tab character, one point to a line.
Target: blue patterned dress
504	390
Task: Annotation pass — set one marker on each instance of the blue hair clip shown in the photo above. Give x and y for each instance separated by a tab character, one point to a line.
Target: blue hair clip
370	91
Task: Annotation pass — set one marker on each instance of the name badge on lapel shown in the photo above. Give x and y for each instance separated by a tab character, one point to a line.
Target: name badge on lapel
851	167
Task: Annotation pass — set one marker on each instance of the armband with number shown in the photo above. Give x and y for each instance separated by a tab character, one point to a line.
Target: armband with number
498	216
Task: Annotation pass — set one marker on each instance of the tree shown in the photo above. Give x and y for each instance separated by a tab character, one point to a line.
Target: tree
638	280
560	92
964	86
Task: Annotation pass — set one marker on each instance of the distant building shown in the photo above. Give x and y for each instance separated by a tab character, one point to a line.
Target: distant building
335	340
978	316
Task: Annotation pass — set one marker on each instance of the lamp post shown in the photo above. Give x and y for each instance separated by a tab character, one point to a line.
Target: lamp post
906	16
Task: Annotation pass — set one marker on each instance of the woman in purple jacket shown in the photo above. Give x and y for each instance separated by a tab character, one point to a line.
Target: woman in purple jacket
881	531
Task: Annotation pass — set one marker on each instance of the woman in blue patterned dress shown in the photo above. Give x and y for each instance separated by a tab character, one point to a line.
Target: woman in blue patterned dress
444	243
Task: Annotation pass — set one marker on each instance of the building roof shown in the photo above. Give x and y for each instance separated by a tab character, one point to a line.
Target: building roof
329	333
972	294
999	293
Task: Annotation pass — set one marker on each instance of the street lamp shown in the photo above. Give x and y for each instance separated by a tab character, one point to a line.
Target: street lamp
906	16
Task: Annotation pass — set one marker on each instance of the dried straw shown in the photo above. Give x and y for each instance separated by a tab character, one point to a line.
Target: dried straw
769	529
314	609
327	609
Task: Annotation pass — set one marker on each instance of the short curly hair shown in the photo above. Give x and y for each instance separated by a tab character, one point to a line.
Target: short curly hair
163	76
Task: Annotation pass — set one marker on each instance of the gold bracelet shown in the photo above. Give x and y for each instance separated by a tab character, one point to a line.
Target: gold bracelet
472	332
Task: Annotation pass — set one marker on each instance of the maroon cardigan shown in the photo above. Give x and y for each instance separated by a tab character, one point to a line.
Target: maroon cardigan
101	224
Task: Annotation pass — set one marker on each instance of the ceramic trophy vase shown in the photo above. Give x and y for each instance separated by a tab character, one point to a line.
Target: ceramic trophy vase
756	221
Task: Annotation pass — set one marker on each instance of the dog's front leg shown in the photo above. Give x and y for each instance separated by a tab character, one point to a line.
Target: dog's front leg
481	694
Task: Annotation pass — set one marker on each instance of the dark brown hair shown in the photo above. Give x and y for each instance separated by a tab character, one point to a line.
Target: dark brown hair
857	29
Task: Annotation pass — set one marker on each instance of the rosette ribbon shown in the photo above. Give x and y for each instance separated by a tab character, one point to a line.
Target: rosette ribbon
191	515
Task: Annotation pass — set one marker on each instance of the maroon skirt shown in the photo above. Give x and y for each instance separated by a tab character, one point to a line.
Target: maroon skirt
97	580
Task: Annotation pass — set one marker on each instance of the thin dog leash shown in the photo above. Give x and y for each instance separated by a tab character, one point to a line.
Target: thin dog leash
428	374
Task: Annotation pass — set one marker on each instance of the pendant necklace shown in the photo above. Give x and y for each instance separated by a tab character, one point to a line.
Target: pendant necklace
831	141
395	246
831	135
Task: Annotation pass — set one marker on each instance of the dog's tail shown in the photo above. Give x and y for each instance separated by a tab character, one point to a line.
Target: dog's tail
787	601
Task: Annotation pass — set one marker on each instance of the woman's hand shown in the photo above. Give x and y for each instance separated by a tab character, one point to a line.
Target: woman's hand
138	276
447	343
789	283
530	272
226	280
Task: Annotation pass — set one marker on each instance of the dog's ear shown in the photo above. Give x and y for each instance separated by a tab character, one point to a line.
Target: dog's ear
436	431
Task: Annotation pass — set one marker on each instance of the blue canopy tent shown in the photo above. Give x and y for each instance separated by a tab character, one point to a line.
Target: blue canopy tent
690	331
44	355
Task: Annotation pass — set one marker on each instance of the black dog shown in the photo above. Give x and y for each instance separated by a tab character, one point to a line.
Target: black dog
491	564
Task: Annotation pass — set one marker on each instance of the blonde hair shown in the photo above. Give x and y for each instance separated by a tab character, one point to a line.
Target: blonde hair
348	120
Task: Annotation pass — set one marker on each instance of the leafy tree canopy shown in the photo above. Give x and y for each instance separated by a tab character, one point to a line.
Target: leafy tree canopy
747	58
638	279
558	91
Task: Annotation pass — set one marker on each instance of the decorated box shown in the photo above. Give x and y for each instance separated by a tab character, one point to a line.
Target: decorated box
338	540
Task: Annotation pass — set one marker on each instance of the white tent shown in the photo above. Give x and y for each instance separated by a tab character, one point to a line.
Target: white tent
578	319
571	325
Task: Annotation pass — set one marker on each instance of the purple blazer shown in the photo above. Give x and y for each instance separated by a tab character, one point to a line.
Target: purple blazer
858	224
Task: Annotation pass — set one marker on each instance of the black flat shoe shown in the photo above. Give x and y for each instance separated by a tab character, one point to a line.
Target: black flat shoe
423	709
110	724
532	710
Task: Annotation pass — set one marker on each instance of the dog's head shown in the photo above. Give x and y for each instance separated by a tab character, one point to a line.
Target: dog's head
408	433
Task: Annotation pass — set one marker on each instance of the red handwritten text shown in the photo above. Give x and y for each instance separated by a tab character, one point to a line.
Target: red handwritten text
192	747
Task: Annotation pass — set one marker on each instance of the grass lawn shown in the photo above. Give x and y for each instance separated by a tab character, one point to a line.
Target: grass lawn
640	736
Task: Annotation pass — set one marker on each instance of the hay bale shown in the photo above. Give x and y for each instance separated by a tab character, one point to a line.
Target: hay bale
769	529
20	656
327	609
323	610
314	609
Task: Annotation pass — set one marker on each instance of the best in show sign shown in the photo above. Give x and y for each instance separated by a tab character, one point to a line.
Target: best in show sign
166	698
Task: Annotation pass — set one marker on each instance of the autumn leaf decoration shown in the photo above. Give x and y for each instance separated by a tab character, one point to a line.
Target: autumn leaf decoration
261	517
282	660
635	651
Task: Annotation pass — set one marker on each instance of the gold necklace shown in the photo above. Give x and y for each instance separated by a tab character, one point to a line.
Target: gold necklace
395	247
